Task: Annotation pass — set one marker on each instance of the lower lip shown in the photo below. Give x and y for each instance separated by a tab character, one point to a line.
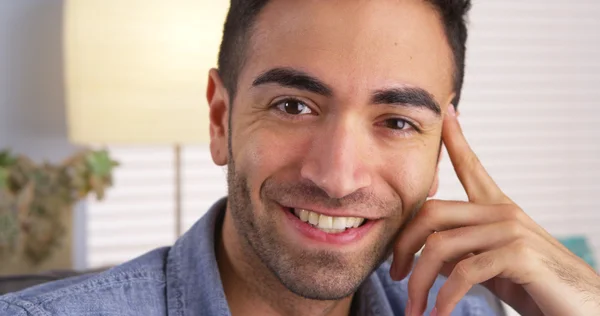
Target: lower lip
350	235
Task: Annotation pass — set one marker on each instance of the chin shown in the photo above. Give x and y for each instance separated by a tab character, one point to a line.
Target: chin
318	274
323	283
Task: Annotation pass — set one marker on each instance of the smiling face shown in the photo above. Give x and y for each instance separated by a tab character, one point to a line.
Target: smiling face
335	136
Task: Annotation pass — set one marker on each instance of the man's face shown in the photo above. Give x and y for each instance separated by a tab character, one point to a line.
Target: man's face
332	121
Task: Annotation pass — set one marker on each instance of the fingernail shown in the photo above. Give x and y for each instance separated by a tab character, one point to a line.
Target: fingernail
433	312
451	110
408	311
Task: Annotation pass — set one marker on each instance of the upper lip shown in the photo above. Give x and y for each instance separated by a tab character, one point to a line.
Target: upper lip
339	212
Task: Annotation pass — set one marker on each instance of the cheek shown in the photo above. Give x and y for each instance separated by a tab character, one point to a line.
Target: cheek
410	173
261	154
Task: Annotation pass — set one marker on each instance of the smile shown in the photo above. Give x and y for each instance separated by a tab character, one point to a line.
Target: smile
328	224
330	230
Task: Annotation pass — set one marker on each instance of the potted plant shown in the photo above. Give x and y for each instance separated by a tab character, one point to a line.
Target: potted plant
36	204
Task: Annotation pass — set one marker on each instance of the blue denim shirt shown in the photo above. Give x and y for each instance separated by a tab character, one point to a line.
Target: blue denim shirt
184	280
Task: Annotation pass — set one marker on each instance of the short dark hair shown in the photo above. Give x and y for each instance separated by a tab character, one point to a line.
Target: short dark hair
242	17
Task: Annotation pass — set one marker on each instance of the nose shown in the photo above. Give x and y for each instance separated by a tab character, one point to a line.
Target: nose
337	160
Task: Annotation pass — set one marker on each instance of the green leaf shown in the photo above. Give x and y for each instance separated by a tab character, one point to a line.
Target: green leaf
100	163
3	178
7	159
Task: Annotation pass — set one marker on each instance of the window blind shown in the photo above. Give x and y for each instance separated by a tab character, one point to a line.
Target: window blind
138	212
529	109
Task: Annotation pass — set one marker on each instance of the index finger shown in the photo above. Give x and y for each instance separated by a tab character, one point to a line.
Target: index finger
478	184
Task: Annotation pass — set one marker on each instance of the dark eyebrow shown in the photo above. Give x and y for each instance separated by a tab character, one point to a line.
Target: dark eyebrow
409	96
292	78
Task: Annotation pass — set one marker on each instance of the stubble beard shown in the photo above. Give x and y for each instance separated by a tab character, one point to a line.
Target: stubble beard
311	274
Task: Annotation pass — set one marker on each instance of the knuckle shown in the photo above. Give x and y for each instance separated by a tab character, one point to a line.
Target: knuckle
432	203
513	212
428	215
483	262
457	234
428	208
525	258
521	249
435	243
514	228
462	271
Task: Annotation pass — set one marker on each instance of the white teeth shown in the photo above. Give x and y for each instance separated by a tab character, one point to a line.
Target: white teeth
339	223
313	218
325	222
358	221
350	221
328	224
304	215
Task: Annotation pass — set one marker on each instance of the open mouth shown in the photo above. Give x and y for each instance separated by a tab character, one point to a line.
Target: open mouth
327	224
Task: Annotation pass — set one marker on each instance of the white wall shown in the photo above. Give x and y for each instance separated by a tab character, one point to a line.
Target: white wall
32	111
32	103
531	109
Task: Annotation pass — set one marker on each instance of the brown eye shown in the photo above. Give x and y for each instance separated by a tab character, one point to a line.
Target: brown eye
294	107
398	124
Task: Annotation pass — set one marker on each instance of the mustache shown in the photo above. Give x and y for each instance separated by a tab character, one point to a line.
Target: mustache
292	193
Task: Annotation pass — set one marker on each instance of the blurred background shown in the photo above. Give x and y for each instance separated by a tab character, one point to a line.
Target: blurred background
530	110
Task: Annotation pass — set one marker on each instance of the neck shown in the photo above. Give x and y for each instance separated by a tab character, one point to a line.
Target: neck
251	288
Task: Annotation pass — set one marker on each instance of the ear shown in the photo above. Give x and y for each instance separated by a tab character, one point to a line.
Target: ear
218	102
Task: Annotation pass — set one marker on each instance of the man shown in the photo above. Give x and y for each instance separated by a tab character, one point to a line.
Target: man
330	116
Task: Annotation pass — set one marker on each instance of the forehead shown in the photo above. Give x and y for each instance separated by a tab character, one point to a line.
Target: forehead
354	45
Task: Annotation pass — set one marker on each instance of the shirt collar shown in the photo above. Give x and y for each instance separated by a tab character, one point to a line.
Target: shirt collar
193	281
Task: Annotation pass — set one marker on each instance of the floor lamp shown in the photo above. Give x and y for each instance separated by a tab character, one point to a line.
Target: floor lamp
136	73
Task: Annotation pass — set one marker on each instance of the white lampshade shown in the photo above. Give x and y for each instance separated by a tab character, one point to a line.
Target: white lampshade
136	70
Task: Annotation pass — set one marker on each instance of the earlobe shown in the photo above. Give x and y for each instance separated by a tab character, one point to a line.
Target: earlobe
218	102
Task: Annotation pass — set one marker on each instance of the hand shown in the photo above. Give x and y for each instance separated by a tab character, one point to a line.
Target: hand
489	240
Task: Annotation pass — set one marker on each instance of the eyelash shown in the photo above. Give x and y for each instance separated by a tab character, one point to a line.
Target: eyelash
411	126
276	106
402	132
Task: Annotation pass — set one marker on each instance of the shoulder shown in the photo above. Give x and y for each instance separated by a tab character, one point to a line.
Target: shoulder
138	285
479	301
